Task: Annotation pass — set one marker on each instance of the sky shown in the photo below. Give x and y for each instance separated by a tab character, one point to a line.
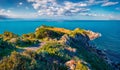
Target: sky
61	9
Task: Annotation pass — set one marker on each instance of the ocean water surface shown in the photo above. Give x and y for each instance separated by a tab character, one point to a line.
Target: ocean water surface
110	30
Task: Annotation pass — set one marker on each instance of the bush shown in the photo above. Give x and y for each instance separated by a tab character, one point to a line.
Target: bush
43	33
26	42
29	36
5	48
28	60
8	35
17	61
56	51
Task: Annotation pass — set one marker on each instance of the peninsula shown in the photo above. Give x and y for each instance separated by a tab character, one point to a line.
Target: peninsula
52	48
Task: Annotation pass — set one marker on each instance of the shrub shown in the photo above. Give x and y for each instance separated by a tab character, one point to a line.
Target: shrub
56	51
5	48
43	33
8	35
17	61
26	42
29	36
4	44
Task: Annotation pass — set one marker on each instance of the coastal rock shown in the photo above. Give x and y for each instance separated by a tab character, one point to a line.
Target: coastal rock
77	65
71	49
92	35
82	38
66	39
71	64
13	40
85	40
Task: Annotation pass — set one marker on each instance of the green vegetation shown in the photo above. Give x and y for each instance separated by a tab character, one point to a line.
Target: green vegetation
94	60
63	53
29	36
21	41
17	61
55	51
76	31
60	54
8	35
43	33
5	48
26	42
27	60
53	55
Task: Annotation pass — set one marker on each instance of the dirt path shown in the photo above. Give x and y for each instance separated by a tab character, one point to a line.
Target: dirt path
34	48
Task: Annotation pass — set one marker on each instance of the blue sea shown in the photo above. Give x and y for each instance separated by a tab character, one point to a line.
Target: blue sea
110	30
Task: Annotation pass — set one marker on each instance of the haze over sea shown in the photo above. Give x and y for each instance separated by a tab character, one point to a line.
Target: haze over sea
110	30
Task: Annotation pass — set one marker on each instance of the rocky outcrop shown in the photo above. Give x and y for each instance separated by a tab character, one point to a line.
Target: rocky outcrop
92	35
85	40
66	39
71	64
77	65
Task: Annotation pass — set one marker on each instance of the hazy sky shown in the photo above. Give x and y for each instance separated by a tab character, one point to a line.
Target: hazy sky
61	9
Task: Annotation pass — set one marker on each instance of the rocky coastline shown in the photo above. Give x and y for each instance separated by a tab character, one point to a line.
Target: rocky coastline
86	40
102	53
72	49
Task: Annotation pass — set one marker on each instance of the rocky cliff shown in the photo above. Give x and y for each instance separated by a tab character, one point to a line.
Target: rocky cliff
84	40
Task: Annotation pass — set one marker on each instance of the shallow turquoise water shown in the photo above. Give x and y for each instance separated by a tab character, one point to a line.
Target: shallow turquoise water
110	30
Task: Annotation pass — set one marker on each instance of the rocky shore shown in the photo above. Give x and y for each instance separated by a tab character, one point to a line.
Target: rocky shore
92	35
86	41
102	53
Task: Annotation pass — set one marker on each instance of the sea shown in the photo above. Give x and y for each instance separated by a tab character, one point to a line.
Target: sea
109	29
